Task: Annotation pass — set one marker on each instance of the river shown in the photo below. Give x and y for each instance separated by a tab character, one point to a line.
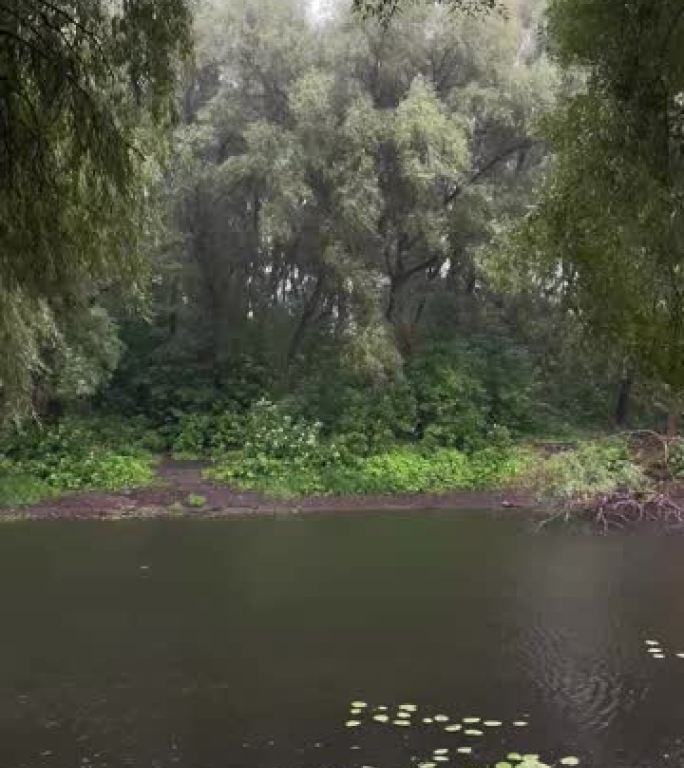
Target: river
213	644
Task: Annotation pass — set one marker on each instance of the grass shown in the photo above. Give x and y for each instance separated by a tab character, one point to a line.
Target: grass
18	489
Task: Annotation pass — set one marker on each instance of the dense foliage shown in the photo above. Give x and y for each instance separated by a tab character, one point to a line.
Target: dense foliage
388	244
84	85
607	232
75	454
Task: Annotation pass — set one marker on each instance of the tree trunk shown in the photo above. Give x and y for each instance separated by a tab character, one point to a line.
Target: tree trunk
623	401
673	420
310	310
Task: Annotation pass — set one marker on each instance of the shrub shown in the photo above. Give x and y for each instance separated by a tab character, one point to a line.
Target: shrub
270	431
81	453
676	459
594	468
206	433
399	470
17	488
451	401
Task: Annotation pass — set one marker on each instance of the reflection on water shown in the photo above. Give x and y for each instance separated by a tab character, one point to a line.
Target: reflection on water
242	643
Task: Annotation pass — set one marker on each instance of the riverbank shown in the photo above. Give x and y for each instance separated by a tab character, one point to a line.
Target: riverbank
102	470
181	490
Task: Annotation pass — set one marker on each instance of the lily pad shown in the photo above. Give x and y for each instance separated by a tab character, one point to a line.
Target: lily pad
471	719
465	750
403	723
515	756
356	712
520	723
404	715
503	765
381	718
680	655
473	732
453	728
353	723
492	723
408	707
427	720
657	655
441	718
442	751
440	758
427	765
652	642
570	761
359	704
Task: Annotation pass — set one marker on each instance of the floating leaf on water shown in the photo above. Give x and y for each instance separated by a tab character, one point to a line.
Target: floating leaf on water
570	761
440	758
472	732
521	724
356	712
358	704
657	655
382	707
404	723
408	707
530	758
471	719
503	765
465	750
492	723
453	728
353	723
381	718
427	720
515	756
403	714
427	765
680	655
441	751
655	650
441	718
652	642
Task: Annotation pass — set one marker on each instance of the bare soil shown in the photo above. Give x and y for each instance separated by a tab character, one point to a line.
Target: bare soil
179	481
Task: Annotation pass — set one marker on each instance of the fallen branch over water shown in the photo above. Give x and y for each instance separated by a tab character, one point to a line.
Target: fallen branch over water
619	510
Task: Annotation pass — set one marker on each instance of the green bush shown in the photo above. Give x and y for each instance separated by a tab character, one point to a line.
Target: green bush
364	417
82	453
593	468
202	434
270	431
676	460
399	470
451	401
17	488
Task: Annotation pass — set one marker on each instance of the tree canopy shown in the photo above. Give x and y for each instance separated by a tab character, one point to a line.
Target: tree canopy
83	84
608	229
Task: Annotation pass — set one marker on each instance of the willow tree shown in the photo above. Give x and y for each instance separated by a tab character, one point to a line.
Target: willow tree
608	230
386	10
84	86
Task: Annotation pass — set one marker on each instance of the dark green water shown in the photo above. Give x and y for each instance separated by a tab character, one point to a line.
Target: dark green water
212	644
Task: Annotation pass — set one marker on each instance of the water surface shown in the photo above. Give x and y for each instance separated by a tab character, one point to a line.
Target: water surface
213	644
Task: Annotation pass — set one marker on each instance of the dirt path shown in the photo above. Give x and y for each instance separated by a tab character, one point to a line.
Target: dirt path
179	481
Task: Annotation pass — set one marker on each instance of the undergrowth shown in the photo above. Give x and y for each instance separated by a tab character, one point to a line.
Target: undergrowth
589	470
75	454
